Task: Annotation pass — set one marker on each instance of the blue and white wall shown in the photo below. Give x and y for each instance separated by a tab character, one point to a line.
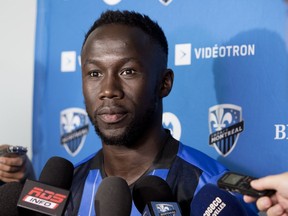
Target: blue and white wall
230	95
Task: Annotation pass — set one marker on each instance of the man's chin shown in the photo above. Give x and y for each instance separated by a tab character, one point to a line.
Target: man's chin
112	139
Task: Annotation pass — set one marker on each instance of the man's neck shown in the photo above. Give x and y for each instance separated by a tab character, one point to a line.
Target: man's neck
132	163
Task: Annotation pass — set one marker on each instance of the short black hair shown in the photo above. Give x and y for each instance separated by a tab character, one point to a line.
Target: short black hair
133	19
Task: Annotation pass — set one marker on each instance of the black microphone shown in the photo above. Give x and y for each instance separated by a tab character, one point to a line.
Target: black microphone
57	172
153	196
49	195
113	197
9	195
211	200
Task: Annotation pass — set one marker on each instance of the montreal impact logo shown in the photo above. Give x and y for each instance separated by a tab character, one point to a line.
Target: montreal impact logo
74	126
171	122
225	125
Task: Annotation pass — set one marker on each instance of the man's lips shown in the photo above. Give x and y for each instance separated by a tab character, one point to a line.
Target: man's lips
111	118
111	115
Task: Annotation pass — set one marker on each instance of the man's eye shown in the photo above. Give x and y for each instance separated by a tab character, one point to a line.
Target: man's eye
128	72
94	74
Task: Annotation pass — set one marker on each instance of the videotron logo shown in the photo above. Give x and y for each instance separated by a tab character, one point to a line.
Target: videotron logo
225	125
44	198
184	52
68	61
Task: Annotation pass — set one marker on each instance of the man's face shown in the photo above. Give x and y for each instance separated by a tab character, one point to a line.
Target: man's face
120	75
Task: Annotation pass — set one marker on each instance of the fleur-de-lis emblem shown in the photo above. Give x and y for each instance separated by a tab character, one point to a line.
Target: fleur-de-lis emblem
74	128
164	207
70	121
219	119
225	125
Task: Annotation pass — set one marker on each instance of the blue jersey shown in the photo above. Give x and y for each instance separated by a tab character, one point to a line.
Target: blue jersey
185	169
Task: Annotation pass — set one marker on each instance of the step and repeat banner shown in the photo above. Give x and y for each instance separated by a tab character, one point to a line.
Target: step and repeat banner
230	96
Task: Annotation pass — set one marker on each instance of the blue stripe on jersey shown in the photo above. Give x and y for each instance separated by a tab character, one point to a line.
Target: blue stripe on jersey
93	180
91	186
211	169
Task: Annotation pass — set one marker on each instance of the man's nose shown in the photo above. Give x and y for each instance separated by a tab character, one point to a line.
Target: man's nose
111	87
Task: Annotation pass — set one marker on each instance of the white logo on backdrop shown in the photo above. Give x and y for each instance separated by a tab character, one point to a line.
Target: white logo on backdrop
281	131
112	2
166	2
183	54
68	61
171	122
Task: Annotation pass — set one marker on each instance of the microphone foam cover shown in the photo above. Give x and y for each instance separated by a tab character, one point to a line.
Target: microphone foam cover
57	172
9	195
113	197
211	200
151	188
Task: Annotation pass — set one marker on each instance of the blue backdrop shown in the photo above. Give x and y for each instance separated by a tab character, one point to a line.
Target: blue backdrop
230	96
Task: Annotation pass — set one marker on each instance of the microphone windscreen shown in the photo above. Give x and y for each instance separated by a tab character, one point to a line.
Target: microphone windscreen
211	200
9	195
57	172
151	188
113	197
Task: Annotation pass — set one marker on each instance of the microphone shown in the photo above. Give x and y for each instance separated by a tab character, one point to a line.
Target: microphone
49	195
211	200
113	197
57	172
9	195
153	196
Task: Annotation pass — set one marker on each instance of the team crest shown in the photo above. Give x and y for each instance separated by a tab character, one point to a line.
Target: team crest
166	2
165	208
74	126
225	125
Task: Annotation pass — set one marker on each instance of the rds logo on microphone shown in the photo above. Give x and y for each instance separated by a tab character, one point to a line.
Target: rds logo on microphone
44	198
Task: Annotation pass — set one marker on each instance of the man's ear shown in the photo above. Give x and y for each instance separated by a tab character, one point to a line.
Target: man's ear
167	82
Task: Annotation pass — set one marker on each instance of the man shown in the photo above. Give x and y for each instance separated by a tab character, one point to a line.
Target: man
276	205
124	78
15	168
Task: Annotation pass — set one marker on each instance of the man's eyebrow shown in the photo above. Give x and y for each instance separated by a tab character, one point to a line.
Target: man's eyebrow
131	59
123	60
90	61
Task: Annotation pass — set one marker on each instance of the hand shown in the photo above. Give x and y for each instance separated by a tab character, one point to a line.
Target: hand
15	167
277	204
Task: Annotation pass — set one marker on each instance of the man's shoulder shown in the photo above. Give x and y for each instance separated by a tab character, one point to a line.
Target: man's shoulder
198	159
